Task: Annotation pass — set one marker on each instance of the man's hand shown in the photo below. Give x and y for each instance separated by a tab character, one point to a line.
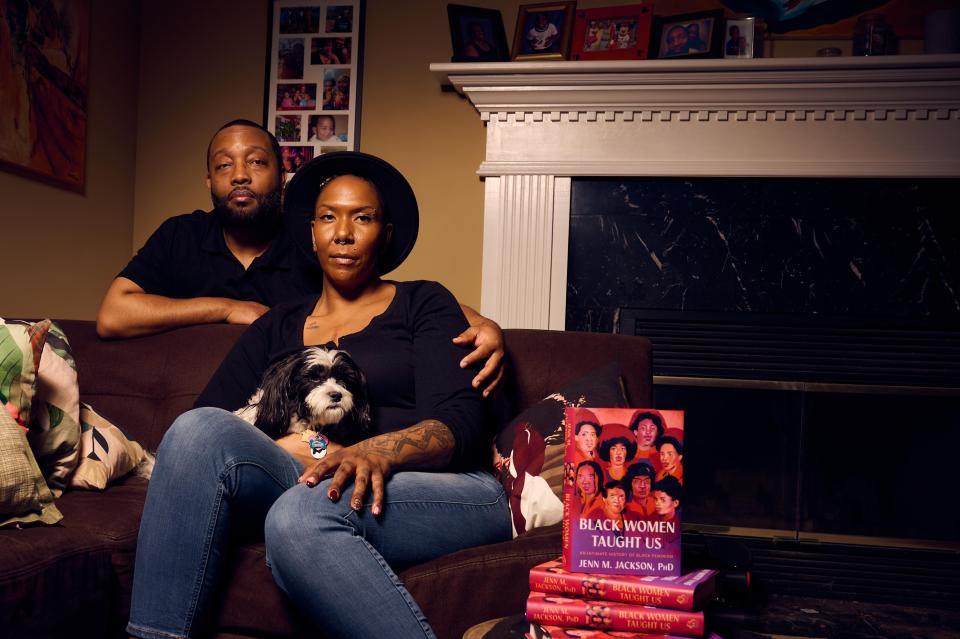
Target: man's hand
427	445
487	340
245	312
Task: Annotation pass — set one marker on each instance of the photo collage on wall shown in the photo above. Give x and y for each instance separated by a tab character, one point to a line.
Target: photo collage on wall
312	94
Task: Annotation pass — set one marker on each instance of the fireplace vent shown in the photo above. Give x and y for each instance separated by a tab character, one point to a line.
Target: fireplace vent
797	348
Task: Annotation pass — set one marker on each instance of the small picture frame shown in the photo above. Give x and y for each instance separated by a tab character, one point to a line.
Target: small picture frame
743	38
300	19
330	50
689	35
328	130
294	157
313	77
477	34
288	128
612	33
296	96
544	31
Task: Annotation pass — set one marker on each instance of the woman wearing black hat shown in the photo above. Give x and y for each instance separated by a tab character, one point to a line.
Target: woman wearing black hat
328	543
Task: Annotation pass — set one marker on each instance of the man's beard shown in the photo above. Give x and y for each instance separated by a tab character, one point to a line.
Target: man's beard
261	216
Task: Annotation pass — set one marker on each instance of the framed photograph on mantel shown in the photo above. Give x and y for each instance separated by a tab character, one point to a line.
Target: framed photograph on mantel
544	31
477	34
612	33
312	92
689	35
743	38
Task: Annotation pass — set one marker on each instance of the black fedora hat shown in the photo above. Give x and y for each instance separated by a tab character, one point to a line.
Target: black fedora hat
399	202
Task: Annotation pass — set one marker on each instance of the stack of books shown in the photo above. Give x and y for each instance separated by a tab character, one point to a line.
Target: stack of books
619	574
566	604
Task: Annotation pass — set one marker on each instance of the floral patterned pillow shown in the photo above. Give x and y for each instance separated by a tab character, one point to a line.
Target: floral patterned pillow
20	347
39	389
54	425
106	454
24	495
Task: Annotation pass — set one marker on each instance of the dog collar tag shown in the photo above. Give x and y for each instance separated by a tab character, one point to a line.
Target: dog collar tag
318	446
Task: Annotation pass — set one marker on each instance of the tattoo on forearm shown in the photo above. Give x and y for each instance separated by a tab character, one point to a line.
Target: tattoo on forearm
429	444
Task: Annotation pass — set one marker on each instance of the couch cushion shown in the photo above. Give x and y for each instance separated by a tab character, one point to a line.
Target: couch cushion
252	600
65	580
143	384
495	576
495	573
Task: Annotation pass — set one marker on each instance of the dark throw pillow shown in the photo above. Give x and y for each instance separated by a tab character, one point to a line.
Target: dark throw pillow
528	452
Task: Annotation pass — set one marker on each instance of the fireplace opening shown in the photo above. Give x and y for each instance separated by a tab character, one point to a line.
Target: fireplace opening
811	330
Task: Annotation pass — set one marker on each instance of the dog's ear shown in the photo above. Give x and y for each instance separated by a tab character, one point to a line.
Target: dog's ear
276	404
361	409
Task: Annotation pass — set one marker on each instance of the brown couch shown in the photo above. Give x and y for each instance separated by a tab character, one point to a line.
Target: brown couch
74	579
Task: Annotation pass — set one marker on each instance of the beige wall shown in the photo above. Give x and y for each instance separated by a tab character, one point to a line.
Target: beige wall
435	137
195	75
164	77
61	248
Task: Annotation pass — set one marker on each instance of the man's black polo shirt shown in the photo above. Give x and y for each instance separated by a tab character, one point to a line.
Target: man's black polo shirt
188	257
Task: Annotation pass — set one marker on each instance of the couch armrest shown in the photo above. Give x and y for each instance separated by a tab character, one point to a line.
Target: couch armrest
541	362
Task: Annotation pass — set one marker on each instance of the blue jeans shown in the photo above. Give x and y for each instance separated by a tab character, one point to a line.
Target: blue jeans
218	481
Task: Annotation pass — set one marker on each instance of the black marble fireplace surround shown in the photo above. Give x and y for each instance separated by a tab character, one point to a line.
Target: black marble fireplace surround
809	448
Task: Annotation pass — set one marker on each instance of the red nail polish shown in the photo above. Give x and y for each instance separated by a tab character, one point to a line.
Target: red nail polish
311	483
333	494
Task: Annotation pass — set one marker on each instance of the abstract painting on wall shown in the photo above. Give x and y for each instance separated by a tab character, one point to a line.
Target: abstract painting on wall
44	72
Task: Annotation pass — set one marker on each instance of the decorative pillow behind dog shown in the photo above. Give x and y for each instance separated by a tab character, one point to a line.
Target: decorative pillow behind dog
105	453
24	495
529	450
55	416
20	348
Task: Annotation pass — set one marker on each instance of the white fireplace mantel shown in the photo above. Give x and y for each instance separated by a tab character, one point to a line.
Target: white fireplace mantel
896	116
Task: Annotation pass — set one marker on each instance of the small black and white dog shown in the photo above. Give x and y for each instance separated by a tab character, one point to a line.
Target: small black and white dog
316	388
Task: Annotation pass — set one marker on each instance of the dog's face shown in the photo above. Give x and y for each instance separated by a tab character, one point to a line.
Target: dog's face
314	388
324	385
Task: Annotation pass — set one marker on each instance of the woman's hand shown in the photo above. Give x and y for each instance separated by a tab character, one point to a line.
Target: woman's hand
367	468
487	339
425	446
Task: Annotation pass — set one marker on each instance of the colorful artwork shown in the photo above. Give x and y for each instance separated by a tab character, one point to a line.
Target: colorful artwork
314	71
623	491
44	66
